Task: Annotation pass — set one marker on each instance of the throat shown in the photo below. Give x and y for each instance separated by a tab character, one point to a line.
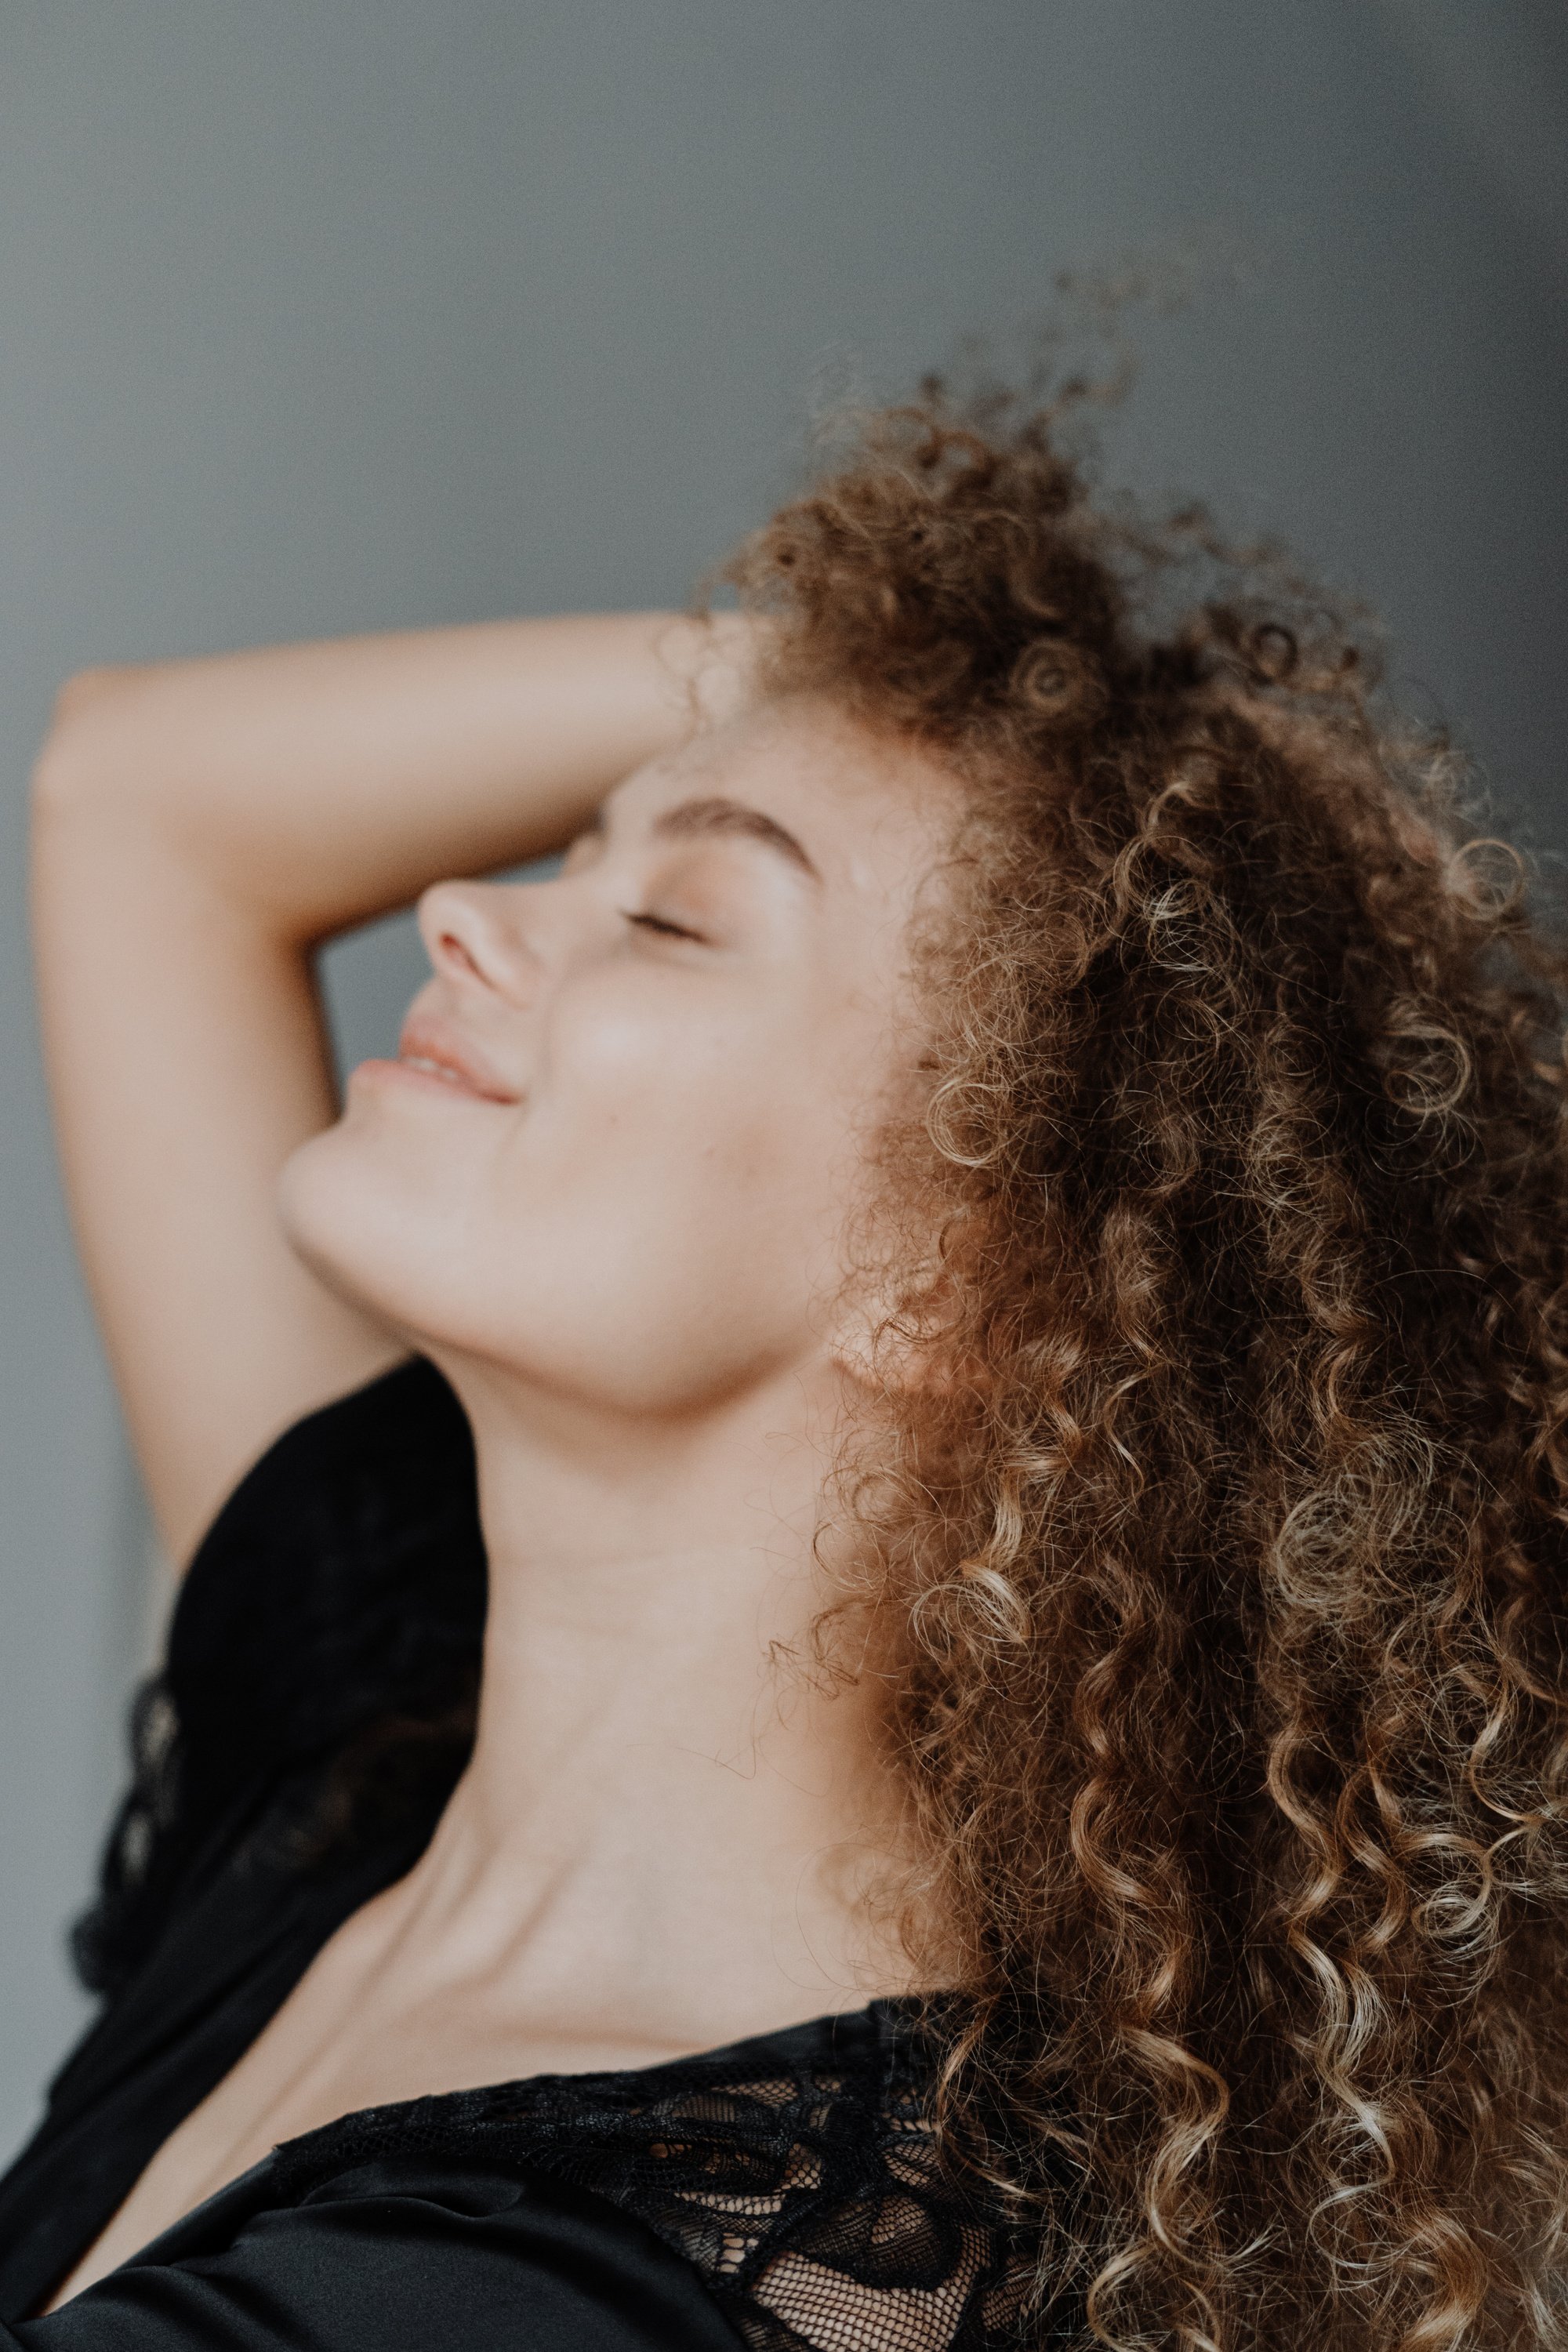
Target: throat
663	1868
679	1820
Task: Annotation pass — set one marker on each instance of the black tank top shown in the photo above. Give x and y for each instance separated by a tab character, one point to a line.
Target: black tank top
293	1757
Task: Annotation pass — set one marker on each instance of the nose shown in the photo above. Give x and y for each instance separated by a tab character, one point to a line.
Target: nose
468	938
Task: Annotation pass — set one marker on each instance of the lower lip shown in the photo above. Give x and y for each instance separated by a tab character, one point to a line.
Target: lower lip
381	1073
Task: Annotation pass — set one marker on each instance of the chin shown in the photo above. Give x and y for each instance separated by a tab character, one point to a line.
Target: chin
370	1231
336	1224
660	1324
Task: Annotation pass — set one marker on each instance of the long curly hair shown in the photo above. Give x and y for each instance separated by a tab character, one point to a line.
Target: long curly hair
1225	1522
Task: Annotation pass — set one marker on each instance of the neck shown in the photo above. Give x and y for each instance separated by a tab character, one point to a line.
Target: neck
672	1813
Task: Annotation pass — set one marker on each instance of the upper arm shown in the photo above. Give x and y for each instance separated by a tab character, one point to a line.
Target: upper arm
187	1057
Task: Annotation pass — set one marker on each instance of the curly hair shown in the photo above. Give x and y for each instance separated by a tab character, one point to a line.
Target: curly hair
1226	1524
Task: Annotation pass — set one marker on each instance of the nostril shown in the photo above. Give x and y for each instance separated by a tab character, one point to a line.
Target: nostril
470	941
451	945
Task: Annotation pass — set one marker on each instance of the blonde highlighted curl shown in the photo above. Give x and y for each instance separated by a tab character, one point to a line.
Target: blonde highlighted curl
1228	1529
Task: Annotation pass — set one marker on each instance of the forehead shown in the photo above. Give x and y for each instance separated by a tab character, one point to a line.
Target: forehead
862	806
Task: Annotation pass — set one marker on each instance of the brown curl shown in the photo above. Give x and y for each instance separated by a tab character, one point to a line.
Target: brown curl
1228	1549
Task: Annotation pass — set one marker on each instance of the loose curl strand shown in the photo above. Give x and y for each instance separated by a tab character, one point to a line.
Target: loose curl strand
1224	1518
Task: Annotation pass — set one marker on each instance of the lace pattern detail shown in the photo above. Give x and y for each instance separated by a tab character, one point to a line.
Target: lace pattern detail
808	2195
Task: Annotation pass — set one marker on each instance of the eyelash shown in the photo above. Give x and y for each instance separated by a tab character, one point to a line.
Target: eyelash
664	930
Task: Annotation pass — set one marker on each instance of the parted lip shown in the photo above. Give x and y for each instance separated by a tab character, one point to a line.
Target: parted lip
428	1038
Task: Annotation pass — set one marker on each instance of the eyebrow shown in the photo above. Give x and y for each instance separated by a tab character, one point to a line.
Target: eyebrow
717	818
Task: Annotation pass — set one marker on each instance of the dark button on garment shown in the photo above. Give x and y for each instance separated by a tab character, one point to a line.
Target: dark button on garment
293	1758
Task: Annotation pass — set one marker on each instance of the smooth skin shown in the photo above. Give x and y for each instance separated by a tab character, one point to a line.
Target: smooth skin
607	1187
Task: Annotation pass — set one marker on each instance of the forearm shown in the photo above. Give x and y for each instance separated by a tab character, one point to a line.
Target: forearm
314	786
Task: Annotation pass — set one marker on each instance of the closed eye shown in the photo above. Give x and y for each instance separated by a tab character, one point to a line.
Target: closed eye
663	926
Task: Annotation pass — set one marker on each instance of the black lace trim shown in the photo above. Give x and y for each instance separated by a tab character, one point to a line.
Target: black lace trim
797	2174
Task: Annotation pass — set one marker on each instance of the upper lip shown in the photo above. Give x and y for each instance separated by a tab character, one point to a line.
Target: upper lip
426	1037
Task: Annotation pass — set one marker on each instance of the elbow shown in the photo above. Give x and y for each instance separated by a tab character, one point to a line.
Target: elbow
90	688
84	747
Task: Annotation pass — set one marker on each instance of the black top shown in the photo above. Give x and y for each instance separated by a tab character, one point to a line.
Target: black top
294	1756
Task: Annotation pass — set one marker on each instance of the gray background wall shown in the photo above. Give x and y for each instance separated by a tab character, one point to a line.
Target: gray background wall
320	315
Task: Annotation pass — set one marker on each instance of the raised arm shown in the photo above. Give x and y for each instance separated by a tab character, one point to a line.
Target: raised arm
200	828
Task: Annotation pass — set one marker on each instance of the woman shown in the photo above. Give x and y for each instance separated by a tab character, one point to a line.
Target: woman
972	1297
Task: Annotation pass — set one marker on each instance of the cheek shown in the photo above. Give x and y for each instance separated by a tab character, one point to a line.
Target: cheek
659	1221
670	1205
695	1155
716	1095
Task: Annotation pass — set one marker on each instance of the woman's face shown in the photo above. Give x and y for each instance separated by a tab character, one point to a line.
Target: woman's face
626	1130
